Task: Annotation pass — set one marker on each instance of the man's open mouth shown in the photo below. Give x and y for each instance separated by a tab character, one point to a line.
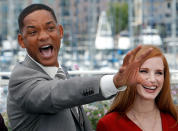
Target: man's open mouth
46	50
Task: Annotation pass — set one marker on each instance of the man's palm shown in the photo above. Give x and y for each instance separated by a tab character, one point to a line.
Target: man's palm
128	73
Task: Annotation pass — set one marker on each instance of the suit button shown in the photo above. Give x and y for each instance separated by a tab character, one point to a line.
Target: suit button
85	93
90	91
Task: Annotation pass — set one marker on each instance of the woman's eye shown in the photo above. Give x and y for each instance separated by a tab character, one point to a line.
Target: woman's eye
143	71
160	73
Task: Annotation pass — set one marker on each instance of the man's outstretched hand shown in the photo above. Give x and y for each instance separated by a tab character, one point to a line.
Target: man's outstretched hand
128	73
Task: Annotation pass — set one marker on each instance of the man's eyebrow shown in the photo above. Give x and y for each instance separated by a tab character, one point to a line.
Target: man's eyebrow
50	22
30	26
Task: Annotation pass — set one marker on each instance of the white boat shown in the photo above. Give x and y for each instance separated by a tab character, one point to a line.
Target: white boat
104	39
150	36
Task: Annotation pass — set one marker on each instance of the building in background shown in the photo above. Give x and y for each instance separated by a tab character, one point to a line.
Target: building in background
80	20
155	13
76	16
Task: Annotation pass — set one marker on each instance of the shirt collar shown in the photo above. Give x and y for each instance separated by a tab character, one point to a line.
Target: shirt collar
50	70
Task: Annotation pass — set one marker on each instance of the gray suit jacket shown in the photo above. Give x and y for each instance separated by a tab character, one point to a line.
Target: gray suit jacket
36	102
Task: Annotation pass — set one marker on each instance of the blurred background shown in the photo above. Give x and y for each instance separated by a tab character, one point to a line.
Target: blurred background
97	34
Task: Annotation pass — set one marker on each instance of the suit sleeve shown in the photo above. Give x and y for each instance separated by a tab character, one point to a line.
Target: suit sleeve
35	92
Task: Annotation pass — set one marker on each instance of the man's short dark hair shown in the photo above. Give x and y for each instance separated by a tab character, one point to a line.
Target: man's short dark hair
31	8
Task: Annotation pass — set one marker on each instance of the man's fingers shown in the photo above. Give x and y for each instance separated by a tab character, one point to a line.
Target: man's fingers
132	79
142	81
127	58
121	70
129	55
134	51
144	55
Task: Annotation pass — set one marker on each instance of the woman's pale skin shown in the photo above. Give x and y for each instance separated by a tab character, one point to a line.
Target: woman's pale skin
144	113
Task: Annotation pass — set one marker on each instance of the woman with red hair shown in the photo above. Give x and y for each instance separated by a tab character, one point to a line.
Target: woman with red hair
146	106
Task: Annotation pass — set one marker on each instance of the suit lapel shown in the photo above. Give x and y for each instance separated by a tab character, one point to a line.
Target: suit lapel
78	116
30	63
81	117
73	109
65	71
74	113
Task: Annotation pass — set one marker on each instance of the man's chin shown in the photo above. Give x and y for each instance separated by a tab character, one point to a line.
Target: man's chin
49	63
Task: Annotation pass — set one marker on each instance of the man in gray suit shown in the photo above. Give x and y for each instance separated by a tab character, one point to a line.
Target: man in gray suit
37	101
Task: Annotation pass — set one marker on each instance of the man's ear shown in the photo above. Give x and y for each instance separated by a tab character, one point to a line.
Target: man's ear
21	40
61	32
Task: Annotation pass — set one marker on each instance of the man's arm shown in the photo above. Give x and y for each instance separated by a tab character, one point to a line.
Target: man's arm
34	92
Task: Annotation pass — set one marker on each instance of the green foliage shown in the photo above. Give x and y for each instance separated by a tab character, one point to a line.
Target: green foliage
96	111
5	117
118	14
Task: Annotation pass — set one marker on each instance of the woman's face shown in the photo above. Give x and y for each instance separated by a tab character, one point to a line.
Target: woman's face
152	70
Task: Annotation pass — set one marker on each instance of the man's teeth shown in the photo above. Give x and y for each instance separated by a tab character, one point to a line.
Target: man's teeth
47	46
151	88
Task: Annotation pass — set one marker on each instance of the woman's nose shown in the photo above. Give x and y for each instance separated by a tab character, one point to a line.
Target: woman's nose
152	77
